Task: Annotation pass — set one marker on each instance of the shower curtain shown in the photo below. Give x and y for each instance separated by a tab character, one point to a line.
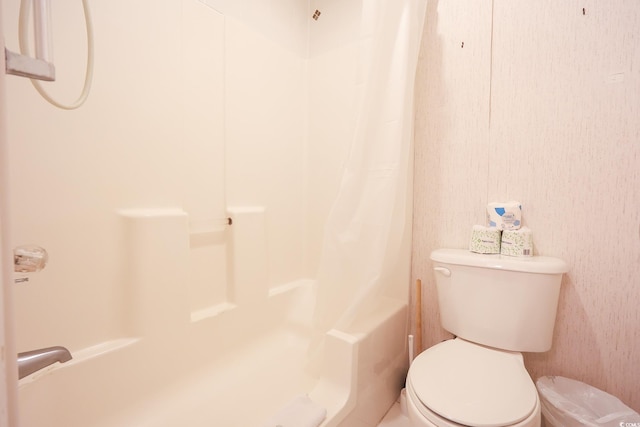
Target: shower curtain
368	220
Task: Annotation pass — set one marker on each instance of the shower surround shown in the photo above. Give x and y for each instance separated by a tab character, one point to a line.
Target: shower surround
182	264
204	368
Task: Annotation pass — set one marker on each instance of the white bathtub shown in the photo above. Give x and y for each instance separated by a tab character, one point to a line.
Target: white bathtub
240	379
234	363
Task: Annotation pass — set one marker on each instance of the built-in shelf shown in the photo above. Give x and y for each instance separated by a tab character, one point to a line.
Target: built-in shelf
213	311
290	286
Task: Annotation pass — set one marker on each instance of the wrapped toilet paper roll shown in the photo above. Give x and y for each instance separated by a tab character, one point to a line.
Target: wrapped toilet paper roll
485	240
504	216
517	242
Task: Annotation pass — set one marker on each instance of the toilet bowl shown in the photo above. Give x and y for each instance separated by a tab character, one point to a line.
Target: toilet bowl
496	306
459	383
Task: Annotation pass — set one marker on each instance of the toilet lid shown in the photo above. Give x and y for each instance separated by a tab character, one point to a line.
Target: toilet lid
473	385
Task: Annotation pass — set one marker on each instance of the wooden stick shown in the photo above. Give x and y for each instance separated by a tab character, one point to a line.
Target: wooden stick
418	341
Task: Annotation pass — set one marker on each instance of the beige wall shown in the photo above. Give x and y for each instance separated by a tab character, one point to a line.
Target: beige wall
540	104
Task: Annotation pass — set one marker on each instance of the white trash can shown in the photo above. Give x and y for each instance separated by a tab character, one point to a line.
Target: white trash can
570	403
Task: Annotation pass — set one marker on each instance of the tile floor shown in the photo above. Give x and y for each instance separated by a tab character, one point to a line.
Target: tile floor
395	418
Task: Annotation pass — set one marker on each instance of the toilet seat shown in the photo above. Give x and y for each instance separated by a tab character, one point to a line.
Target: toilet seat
472	385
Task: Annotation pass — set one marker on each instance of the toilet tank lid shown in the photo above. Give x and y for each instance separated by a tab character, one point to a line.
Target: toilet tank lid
534	264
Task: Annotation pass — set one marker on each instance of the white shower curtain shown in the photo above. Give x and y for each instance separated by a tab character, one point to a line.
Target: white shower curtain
368	221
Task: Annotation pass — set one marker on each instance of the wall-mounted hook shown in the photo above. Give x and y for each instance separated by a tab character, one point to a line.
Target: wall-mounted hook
29	258
316	14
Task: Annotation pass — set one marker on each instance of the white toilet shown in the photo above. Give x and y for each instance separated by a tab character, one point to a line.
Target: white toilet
496	306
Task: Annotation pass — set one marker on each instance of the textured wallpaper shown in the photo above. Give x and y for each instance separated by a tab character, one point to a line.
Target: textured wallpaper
540	103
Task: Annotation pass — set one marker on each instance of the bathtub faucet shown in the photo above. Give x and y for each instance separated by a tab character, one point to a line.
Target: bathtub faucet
34	360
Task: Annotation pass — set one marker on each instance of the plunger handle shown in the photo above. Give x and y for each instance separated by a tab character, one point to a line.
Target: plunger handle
418	333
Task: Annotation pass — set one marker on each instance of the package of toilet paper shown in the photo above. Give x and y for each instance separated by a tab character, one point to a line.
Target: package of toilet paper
485	240
517	242
504	216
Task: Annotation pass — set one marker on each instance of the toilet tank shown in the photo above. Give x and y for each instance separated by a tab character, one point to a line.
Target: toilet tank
503	302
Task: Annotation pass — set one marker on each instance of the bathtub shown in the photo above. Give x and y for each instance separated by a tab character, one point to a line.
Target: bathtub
241	382
233	365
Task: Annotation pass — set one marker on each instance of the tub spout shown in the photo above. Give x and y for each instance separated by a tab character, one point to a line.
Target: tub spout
34	360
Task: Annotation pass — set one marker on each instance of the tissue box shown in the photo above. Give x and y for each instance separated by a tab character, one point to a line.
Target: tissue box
517	242
504	216
485	240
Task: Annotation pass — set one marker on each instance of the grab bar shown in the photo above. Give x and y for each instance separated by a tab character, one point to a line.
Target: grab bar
34	360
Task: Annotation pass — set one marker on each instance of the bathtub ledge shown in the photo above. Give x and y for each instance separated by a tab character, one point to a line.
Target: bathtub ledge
81	356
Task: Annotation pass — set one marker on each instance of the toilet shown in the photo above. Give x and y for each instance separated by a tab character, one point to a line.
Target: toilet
496	307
